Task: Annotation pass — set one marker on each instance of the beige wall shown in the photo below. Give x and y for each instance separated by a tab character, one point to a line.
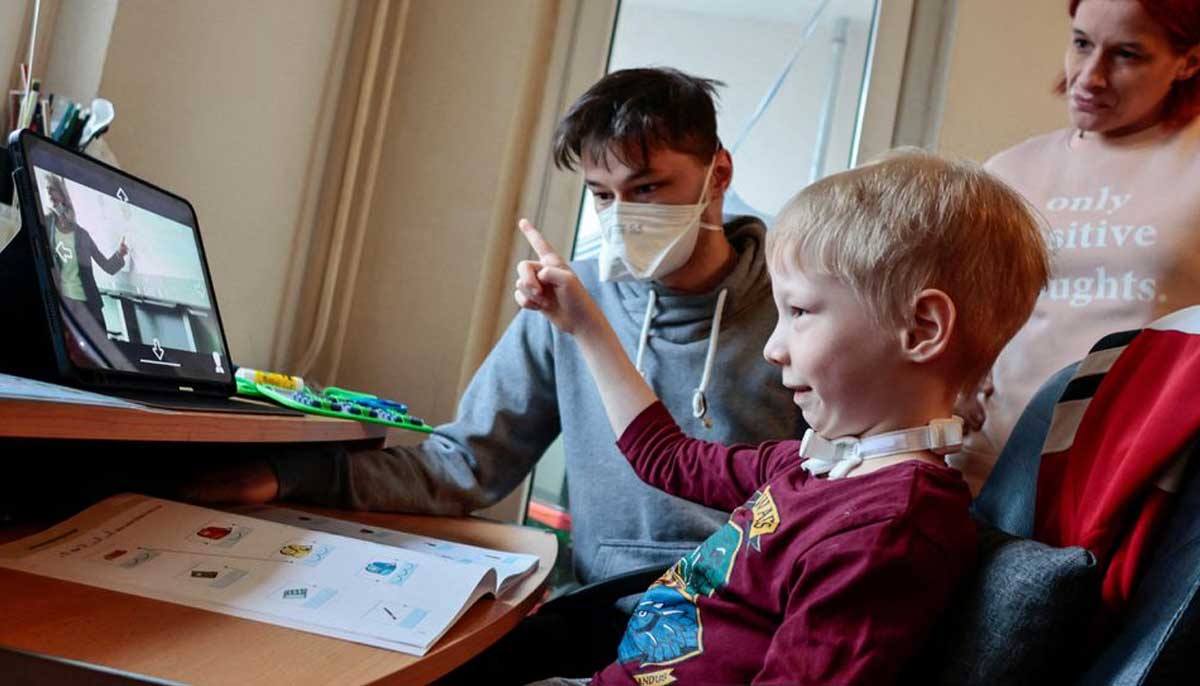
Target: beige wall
218	101
461	66
79	48
13	30
1005	57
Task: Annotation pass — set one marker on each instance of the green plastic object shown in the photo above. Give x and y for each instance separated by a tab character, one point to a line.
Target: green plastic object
247	388
342	406
335	392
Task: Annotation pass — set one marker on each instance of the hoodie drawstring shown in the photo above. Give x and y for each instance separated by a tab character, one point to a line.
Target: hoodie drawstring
645	335
699	404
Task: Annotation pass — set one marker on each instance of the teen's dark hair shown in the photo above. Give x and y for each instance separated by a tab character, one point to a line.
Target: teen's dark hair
633	111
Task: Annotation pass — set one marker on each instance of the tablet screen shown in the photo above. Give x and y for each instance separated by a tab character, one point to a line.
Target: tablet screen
128	272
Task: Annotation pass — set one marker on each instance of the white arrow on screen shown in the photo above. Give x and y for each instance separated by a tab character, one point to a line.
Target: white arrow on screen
64	252
158	349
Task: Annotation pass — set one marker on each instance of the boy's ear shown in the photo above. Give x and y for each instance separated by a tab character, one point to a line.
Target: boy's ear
722	174
928	333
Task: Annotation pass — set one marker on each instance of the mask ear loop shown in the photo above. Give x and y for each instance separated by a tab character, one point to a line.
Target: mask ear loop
704	199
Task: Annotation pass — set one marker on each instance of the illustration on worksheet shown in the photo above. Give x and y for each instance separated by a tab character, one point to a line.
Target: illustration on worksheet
213	573
305	551
220	533
124	556
388	570
307	596
395	615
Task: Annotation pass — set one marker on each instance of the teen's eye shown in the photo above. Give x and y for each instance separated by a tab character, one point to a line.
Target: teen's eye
602	196
797	312
1080	43
1128	55
646	189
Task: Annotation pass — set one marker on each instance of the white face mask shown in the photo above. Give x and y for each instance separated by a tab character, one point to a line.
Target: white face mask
643	241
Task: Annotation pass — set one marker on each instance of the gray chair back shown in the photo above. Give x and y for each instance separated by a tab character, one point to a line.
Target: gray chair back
1157	642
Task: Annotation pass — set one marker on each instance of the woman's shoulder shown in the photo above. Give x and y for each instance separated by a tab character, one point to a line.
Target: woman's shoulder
1032	151
1187	139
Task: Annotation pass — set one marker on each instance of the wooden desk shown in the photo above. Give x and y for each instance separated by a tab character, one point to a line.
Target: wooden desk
36	419
200	647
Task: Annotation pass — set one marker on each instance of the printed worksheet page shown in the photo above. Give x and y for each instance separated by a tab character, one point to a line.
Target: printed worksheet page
510	567
317	581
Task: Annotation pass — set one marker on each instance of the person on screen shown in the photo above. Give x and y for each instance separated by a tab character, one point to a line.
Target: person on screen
75	251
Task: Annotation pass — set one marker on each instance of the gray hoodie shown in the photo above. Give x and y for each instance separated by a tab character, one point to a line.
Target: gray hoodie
535	385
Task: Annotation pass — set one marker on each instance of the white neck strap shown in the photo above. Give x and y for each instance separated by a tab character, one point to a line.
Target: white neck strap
839	457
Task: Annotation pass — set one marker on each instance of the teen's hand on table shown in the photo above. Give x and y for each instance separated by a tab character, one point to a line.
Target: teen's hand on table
250	482
548	285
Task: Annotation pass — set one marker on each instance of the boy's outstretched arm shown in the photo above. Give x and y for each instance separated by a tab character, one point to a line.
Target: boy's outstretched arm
549	286
704	472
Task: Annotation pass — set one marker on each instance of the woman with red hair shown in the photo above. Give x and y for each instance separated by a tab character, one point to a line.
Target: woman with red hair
1120	189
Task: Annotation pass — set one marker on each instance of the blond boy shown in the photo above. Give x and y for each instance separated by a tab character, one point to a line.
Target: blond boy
896	285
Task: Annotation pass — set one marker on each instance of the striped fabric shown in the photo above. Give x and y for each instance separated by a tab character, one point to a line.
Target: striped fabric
1115	453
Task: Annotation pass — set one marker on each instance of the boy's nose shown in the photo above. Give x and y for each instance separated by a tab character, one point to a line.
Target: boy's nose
774	351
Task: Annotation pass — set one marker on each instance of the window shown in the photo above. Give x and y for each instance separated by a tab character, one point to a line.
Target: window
794	74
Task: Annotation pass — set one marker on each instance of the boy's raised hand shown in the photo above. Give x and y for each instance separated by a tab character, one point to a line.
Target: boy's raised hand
549	286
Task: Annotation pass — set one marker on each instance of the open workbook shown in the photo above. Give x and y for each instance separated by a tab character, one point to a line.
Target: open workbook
365	584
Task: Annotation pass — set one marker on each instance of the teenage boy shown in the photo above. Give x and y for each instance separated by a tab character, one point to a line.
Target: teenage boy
896	285
669	278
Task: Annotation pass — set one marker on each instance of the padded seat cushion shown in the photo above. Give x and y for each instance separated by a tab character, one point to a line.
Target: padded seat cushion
1021	618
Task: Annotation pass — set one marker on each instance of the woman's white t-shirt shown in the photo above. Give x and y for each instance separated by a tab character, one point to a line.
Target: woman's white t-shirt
1123	226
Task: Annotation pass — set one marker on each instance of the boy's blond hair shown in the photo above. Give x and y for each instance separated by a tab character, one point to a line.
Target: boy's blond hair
913	221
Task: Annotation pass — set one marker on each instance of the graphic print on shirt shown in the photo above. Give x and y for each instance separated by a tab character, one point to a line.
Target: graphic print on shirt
1091	222
666	626
766	517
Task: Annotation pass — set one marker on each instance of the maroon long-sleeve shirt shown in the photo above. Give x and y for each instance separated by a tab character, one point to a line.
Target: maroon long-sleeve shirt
811	581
